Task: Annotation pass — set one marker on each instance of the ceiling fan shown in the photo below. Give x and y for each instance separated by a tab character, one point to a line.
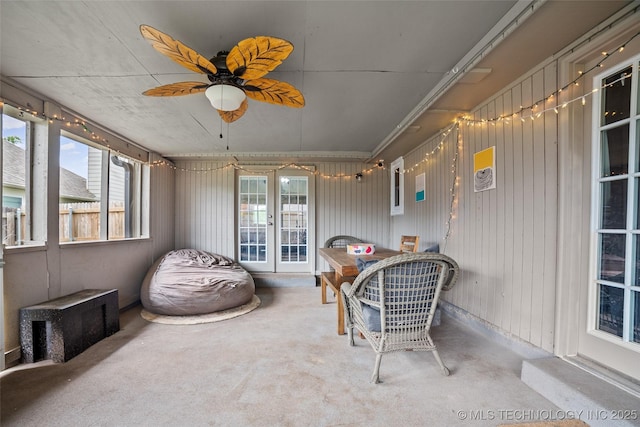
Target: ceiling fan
234	75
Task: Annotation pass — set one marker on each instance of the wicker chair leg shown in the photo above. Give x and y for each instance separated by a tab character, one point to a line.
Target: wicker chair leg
375	378
445	370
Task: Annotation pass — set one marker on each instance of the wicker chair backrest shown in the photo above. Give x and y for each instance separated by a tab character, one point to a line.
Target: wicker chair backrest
404	287
341	241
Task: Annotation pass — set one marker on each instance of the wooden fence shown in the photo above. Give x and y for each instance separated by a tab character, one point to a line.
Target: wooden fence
77	222
13	226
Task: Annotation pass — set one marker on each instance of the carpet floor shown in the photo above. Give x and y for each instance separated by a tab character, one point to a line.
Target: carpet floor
282	364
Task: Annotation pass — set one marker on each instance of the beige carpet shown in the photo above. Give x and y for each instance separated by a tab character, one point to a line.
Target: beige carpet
202	318
280	365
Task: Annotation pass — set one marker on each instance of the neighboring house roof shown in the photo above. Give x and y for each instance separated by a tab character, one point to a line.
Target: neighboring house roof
72	186
13	165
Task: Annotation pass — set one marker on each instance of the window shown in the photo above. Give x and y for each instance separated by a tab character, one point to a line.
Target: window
100	193
23	180
397	187
616	213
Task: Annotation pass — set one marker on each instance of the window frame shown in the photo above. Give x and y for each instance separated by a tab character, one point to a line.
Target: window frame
35	173
631	229
139	204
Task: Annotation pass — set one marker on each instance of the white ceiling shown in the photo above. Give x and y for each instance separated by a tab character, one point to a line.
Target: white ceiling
363	67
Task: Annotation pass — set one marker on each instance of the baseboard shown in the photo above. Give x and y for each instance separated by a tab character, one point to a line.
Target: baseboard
12	357
282	280
492	332
130	306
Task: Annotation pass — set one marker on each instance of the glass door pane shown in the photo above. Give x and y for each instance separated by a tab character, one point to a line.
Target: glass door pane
618	226
294	219
253	220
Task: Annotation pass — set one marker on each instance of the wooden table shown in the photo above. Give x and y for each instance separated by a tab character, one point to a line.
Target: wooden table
344	270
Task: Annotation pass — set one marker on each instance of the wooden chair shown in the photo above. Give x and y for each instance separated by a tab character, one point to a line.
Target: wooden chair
409	243
393	302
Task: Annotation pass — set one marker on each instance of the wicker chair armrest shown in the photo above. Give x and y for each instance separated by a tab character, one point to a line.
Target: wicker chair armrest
347	289
454	272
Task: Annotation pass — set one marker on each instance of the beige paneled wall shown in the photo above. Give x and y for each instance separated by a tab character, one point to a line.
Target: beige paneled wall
345	206
205	216
205	204
162	203
504	239
428	219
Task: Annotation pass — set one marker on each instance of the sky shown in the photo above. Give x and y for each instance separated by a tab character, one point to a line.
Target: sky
73	155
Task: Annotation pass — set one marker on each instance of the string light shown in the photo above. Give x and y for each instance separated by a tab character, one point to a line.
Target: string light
65	122
438	147
236	166
576	82
380	166
455	181
453	199
77	123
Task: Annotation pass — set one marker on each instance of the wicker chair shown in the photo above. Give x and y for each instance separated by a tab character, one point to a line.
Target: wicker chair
341	241
392	303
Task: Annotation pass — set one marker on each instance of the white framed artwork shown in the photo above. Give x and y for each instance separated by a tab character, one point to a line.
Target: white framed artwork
397	186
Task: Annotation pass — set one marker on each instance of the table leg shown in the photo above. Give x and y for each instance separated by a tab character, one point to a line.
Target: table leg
323	288
340	304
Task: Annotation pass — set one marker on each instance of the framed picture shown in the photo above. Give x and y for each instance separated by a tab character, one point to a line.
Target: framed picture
420	187
484	169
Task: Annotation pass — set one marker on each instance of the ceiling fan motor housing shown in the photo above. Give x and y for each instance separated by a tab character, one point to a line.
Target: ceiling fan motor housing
220	61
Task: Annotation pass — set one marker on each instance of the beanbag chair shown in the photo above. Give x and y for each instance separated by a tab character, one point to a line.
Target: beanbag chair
190	282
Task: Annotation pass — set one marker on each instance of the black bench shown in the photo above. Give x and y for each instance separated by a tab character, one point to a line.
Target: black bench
64	327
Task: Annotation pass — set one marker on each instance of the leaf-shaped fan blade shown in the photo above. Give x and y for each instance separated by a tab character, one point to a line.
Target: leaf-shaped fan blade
274	92
176	50
254	57
232	116
177	89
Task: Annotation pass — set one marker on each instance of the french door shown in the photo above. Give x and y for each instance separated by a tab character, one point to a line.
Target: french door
611	335
275	220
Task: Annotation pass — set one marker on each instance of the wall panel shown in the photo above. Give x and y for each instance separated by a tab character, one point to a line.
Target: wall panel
162	207
504	239
205	217
205	204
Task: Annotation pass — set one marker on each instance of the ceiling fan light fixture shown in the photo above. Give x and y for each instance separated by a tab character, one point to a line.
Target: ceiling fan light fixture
225	97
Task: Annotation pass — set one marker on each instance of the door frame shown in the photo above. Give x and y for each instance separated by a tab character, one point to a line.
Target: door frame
2	350
273	174
572	333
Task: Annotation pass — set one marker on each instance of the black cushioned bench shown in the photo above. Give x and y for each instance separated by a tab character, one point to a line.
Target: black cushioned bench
64	327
